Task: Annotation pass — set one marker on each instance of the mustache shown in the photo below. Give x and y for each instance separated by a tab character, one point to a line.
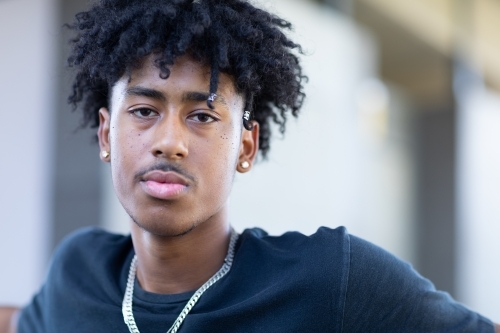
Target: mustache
165	167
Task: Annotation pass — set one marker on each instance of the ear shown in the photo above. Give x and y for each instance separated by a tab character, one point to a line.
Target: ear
103	134
248	148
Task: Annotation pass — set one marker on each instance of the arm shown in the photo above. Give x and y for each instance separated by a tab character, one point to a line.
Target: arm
387	291
7	319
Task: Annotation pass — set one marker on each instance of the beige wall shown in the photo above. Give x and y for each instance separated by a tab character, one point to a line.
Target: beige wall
450	25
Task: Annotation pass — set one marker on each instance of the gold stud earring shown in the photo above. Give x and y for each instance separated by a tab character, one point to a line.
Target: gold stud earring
244	164
104	154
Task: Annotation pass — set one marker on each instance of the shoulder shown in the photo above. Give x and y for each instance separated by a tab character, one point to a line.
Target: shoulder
89	254
90	250
322	257
368	260
87	272
323	237
324	247
89	242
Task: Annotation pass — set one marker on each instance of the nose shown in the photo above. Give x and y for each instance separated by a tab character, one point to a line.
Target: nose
170	139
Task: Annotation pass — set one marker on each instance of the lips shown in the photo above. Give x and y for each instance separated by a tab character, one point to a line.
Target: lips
164	185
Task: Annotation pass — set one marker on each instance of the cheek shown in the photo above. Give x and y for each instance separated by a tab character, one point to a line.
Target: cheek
126	149
224	156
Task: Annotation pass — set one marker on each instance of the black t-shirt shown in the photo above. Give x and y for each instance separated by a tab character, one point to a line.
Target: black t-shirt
327	282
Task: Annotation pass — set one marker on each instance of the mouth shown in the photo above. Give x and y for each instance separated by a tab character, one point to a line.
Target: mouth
164	185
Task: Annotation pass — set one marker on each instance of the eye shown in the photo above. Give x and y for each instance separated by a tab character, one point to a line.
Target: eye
203	118
144	113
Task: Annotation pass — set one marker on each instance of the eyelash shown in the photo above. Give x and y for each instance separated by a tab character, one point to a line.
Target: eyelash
137	112
212	118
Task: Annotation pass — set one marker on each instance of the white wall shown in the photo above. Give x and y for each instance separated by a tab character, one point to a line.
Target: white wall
338	164
27	52
478	207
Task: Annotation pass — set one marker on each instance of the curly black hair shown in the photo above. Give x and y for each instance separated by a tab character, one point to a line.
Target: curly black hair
231	36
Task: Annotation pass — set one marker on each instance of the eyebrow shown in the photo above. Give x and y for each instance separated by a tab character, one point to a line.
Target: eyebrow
190	96
197	96
145	92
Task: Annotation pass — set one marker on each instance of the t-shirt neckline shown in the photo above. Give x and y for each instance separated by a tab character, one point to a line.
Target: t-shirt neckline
155	298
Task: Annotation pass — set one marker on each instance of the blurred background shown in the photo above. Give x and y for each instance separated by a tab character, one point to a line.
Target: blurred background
398	140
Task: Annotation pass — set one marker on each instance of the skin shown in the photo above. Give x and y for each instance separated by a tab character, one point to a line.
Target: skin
180	242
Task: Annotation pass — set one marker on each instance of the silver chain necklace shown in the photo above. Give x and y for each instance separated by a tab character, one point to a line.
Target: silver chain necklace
128	315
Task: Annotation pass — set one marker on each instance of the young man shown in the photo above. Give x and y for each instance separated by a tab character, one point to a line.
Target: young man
183	93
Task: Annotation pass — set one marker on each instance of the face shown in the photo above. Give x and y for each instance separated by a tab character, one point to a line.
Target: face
172	158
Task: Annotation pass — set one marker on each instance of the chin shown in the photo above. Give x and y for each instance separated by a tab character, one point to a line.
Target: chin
166	231
165	227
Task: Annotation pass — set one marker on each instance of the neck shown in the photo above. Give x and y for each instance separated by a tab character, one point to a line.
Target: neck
171	265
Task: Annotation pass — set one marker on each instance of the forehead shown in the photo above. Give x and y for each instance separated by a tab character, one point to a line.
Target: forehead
186	74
